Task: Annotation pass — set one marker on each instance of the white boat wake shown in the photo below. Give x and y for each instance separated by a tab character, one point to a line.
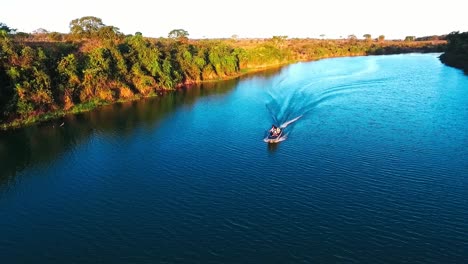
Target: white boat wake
289	102
287	123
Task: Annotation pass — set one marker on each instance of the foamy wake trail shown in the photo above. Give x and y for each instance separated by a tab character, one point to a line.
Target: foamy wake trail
287	123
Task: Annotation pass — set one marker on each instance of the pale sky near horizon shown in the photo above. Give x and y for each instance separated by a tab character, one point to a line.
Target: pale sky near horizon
247	18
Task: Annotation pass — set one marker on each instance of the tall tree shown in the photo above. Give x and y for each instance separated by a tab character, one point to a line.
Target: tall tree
86	26
179	34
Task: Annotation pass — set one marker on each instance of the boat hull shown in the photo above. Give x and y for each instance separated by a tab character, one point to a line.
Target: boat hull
273	139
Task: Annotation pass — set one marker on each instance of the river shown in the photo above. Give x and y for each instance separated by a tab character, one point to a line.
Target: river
374	170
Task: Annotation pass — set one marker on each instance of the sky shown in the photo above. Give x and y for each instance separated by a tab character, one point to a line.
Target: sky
394	19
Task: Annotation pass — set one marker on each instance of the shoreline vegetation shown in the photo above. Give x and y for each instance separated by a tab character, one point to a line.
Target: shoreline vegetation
46	75
456	53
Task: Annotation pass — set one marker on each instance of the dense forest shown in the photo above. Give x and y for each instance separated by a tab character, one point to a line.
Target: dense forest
456	53
48	74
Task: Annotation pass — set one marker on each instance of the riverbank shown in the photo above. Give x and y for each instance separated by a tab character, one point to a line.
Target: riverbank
456	54
95	104
44	80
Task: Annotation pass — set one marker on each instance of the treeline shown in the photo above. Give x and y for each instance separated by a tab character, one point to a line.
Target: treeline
431	38
456	53
44	75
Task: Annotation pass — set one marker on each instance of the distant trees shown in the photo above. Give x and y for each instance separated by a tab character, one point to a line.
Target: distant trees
410	38
381	38
90	27
368	37
431	38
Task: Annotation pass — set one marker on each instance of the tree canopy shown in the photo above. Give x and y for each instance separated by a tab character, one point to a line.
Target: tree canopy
178	33
86	26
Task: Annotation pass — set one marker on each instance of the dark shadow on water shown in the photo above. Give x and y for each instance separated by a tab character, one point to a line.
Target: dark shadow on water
45	142
272	147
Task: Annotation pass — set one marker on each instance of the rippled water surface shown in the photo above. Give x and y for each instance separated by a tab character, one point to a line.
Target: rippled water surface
374	170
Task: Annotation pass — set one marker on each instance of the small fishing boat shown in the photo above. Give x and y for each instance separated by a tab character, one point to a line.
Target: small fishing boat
274	137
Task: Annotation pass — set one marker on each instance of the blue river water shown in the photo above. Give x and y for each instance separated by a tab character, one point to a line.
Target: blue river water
373	170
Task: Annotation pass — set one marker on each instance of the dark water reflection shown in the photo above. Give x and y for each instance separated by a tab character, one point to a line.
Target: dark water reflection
44	142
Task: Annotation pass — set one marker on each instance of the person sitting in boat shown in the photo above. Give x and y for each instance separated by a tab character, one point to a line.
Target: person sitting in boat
274	131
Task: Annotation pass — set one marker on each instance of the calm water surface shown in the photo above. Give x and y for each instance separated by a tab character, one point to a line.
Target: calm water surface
374	171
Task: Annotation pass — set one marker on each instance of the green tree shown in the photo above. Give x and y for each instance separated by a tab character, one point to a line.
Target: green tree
97	75
108	32
30	78
223	59
6	29
381	38
368	37
86	26
410	38
144	59
145	53
166	79
69	81
178	34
